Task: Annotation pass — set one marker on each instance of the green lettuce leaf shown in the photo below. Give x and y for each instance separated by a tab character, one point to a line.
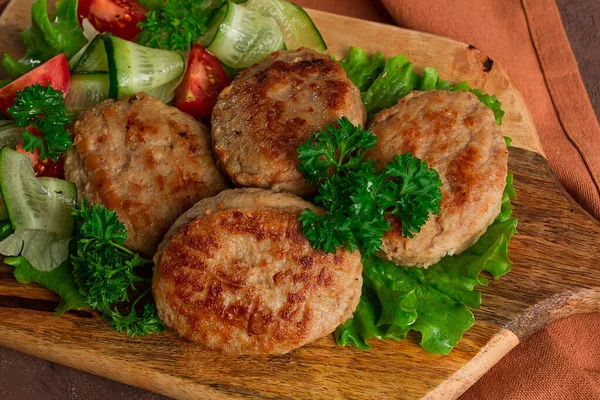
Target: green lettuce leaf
47	37
361	68
432	301
396	81
382	87
60	280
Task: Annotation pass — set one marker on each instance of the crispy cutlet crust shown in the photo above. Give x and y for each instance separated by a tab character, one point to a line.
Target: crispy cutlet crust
237	275
458	136
273	107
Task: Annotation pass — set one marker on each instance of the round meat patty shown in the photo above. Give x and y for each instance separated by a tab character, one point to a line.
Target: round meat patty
458	136
236	274
273	107
147	161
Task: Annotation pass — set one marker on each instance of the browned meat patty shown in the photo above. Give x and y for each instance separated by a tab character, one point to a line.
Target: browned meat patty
272	108
147	161
457	135
236	274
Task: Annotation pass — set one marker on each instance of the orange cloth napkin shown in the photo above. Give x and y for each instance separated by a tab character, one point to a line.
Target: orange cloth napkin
527	38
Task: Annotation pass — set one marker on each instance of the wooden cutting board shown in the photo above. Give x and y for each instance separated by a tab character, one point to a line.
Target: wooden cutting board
556	255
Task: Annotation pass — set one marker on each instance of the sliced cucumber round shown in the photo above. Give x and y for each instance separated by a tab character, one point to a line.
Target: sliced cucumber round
35	203
213	26
91	58
10	134
244	37
296	26
87	90
133	68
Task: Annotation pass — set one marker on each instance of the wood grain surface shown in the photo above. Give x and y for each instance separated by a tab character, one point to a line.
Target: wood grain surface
555	257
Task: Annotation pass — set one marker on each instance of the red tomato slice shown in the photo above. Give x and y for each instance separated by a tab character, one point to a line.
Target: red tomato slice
204	79
47	167
50	168
119	17
54	72
34	157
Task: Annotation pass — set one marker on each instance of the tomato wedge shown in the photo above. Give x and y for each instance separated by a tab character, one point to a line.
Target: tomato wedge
119	17
204	79
54	72
48	167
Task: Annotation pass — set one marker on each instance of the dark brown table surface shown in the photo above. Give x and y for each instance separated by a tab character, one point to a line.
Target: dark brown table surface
23	377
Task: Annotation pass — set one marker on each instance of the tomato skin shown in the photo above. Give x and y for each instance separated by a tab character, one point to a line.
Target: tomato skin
54	72
43	168
204	79
34	157
48	167
119	17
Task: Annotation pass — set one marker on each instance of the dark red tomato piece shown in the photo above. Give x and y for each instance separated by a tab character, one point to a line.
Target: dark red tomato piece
47	167
119	17
50	168
204	79
54	72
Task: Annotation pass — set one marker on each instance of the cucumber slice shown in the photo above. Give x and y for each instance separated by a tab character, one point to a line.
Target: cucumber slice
213	26
10	134
133	68
35	203
91	58
244	37
296	26
86	91
165	93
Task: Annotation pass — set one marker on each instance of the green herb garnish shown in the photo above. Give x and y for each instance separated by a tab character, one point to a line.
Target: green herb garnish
356	196
176	25
43	108
106	271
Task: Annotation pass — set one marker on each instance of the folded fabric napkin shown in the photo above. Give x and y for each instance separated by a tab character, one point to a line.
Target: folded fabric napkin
528	39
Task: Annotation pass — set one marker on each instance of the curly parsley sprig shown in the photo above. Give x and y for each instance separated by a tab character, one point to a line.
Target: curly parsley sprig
176	25
106	271
42	108
356	196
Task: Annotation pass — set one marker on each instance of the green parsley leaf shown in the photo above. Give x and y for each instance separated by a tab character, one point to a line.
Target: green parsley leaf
176	25
415	196
134	325
337	148
356	197
106	271
43	108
